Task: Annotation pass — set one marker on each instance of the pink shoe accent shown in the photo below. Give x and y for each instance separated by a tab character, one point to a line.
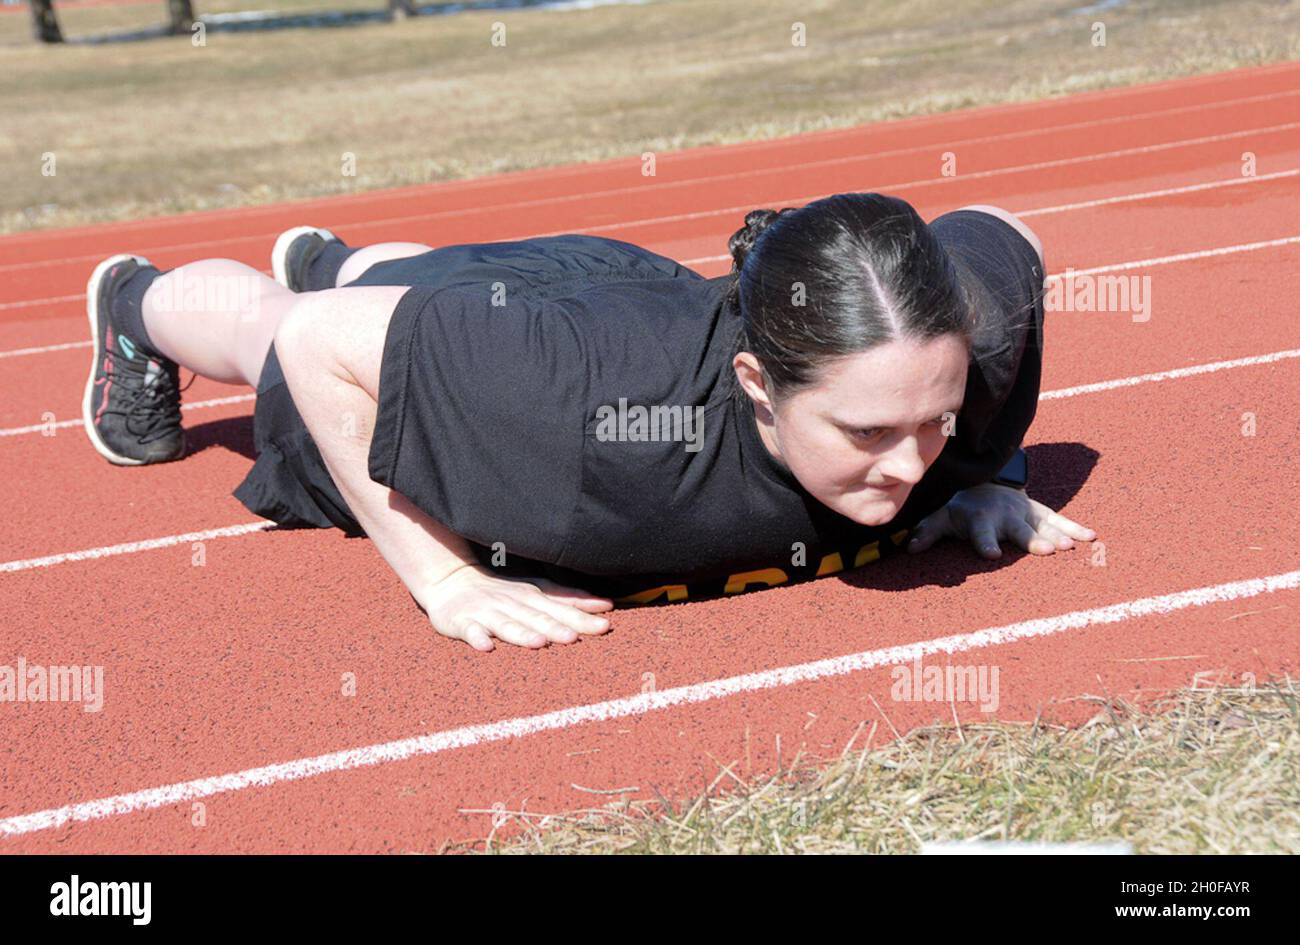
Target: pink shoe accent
108	374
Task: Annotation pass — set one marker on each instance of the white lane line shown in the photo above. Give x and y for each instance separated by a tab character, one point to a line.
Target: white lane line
41	427
1044	395
31	303
893	188
1060	208
1180	257
1155	194
1120	266
45	349
783	170
1093	388
405	194
64	424
255	527
1169	375
53	300
131	547
642	704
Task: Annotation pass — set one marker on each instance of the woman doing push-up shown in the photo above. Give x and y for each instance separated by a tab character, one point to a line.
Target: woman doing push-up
511	421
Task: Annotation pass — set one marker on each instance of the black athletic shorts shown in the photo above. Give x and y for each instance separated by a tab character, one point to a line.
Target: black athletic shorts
289	482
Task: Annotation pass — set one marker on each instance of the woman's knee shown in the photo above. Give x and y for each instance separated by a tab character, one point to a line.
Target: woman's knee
298	330
341	329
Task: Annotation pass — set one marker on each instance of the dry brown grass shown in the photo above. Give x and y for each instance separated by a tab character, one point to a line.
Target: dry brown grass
1201	771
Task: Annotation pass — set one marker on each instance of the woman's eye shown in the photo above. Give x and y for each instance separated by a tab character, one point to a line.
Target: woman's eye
867	434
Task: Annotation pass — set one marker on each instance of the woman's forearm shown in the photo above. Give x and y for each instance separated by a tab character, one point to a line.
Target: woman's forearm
340	415
419	549
331	347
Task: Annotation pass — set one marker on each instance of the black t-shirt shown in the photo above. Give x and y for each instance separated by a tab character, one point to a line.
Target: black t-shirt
518	396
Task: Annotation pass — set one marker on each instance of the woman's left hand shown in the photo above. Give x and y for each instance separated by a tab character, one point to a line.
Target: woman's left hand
984	514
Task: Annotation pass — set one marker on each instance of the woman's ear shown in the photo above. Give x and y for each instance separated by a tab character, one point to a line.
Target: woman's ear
752	379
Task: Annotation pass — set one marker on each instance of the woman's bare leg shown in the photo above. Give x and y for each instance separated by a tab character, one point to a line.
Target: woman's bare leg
367	256
216	317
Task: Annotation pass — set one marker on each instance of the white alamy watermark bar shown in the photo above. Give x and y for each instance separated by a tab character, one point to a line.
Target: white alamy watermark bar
1097	292
656	423
185	291
79	897
34	682
938	682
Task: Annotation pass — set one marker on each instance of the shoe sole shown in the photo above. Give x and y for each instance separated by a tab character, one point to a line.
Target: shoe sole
280	252
92	313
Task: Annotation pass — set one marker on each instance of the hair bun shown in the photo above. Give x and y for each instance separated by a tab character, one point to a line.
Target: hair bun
743	240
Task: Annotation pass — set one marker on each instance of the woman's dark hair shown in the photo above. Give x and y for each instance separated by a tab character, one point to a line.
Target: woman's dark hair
836	277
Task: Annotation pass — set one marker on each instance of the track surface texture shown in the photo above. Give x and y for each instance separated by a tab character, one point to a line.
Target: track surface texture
225	726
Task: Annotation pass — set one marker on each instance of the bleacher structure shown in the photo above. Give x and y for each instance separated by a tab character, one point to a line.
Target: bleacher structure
181	18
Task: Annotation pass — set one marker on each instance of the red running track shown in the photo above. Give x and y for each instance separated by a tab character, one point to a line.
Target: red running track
223	683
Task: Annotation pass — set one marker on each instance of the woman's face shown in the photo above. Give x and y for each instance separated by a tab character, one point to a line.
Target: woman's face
862	436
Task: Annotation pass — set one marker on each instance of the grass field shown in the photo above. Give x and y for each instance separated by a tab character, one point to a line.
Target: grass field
163	126
1199	771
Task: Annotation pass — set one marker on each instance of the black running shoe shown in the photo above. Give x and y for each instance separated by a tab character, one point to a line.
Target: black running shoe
292	255
132	405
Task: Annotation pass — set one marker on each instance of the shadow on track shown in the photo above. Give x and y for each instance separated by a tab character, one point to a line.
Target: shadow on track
232	433
1060	471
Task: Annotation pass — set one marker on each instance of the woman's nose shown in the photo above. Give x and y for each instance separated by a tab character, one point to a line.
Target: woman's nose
904	463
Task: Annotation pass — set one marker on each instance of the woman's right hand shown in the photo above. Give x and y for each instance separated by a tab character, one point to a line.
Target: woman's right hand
475	605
